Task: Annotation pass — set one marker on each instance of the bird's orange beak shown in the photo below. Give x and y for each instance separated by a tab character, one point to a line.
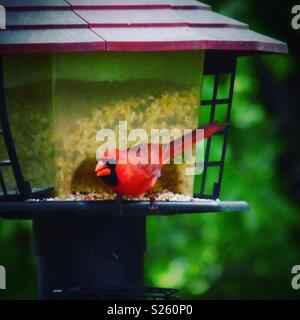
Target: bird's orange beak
102	169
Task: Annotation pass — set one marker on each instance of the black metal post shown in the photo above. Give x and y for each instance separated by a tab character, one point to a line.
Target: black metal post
216	65
23	185
24	190
88	252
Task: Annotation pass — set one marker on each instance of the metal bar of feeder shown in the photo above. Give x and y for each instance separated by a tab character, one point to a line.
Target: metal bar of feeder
208	146
23	210
2	183
23	186
229	109
217	102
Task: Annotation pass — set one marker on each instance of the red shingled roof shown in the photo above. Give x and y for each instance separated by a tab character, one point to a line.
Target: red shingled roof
125	25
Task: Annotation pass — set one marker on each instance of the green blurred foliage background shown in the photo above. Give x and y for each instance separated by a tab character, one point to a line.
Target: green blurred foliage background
240	255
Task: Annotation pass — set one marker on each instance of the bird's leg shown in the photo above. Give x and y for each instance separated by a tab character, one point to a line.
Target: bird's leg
153	204
119	200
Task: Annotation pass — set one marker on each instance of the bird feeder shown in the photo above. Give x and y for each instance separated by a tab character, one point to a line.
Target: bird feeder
70	68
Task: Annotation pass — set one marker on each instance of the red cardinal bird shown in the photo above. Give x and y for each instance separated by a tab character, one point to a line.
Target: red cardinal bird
137	178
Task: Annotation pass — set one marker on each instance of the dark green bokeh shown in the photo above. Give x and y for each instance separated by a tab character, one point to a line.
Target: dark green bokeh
246	255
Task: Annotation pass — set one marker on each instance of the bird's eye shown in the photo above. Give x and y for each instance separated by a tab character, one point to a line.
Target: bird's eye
111	161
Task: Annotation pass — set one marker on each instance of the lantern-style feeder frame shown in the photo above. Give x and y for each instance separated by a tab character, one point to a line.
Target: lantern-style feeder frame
90	248
14	204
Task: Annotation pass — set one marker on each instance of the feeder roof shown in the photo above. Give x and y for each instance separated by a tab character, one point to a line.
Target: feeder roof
125	25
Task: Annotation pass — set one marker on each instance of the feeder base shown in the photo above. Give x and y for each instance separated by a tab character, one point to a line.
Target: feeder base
88	252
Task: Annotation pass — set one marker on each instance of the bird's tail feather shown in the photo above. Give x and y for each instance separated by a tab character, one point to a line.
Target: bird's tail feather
187	141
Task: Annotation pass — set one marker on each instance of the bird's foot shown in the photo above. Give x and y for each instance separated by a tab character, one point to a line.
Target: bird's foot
153	204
